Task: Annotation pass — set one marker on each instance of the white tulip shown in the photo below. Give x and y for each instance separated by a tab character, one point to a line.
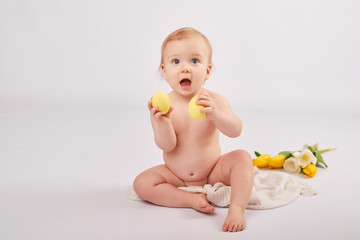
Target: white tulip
292	165
305	158
296	154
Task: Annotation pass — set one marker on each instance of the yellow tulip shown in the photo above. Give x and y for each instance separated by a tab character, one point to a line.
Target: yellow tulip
277	161
262	161
310	170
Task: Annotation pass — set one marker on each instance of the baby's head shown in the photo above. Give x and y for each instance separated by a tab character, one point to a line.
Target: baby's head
181	34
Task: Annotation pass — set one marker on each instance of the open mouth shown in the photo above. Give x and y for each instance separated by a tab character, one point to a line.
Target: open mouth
185	83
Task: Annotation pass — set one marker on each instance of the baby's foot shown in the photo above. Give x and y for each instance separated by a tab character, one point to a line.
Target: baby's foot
200	203
235	221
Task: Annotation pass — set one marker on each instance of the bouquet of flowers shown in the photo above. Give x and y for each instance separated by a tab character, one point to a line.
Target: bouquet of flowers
305	161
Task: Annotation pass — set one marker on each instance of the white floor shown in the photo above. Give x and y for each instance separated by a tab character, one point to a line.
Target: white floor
64	170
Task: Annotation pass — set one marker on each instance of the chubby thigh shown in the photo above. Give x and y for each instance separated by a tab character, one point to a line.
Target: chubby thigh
155	176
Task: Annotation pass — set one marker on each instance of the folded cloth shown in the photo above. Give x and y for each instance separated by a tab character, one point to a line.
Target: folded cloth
271	190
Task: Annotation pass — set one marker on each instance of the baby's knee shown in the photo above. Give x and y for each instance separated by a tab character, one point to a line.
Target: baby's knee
242	155
139	185
144	182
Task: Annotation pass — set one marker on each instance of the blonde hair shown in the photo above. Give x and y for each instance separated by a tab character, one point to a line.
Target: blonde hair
180	34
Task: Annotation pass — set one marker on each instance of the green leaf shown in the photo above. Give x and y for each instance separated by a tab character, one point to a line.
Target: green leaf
319	165
287	154
319	159
257	154
312	149
326	150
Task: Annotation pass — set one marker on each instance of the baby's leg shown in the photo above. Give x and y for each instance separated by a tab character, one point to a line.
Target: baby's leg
158	185
235	169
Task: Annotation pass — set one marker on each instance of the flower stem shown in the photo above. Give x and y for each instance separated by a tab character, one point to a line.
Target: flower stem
326	150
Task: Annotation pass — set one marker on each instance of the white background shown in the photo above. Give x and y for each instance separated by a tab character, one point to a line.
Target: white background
75	78
265	52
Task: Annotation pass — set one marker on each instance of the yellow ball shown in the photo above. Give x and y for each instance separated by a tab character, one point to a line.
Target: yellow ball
194	109
162	101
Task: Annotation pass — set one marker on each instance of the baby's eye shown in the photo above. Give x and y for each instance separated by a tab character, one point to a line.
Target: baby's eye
194	60
176	61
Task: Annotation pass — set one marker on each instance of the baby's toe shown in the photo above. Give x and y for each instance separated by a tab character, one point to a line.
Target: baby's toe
208	208
232	227
225	227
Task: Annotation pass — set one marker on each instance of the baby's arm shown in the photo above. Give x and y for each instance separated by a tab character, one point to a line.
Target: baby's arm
164	134
219	111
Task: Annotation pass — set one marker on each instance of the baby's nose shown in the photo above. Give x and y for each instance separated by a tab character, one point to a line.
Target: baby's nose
185	67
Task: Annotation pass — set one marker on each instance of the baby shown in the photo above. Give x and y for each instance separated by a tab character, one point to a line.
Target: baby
191	148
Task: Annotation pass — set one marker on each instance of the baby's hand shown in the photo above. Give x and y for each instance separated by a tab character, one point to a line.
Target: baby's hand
209	104
158	116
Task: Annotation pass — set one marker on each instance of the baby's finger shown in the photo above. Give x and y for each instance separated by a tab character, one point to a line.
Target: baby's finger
207	99
170	110
206	109
203	95
149	105
158	116
153	110
205	103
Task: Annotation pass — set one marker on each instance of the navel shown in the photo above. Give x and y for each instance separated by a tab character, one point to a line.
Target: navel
191	174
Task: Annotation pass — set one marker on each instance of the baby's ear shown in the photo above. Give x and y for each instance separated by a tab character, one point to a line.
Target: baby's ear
162	66
208	70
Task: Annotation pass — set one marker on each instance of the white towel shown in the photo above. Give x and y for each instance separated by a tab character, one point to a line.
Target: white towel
271	190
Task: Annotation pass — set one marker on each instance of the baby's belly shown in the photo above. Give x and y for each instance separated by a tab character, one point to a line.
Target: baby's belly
193	163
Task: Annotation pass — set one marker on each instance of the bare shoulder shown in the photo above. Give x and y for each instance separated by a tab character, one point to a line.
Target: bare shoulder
220	100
